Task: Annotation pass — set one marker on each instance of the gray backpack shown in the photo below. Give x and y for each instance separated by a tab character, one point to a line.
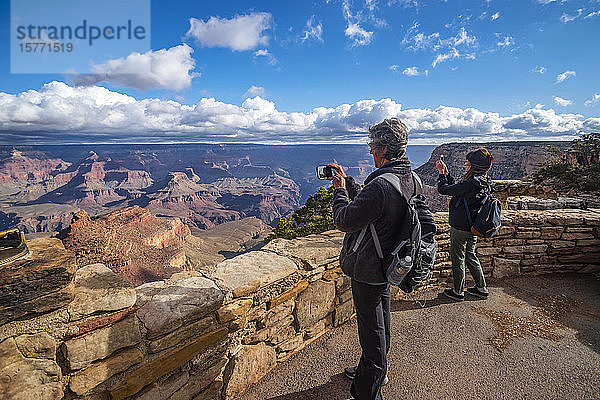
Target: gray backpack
413	257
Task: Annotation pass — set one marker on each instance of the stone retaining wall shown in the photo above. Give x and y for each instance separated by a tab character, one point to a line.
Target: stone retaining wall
531	241
210	336
509	188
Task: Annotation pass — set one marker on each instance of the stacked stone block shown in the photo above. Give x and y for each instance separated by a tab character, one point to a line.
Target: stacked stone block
210	336
189	337
531	241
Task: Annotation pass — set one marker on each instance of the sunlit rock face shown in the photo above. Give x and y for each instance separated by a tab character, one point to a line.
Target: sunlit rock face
132	242
40	191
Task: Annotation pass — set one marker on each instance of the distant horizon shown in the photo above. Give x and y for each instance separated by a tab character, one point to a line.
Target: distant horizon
270	144
285	73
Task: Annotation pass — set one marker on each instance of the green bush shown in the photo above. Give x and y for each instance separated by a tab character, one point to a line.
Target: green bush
315	216
583	175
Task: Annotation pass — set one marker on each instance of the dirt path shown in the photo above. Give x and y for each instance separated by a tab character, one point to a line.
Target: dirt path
534	338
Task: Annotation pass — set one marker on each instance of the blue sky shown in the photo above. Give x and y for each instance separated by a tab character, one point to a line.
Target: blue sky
323	71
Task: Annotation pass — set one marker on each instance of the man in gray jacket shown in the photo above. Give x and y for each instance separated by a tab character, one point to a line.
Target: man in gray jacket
353	209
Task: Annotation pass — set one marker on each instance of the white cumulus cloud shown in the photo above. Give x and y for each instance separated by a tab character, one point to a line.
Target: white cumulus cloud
59	113
593	101
254	91
240	33
161	69
564	18
561	77
462	45
359	36
445	57
507	42
265	53
593	14
562	102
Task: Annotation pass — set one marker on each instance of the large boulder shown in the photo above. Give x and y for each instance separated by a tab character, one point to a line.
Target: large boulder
185	301
314	303
87	379
38	345
81	351
39	283
247	272
311	251
248	366
98	289
26	378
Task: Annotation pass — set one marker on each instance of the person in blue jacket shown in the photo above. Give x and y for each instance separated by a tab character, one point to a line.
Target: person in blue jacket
472	189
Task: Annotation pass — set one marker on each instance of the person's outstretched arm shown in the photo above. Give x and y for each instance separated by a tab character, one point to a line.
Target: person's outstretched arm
352	216
352	187
447	186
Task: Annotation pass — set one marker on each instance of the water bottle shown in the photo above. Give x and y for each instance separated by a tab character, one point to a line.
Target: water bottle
405	263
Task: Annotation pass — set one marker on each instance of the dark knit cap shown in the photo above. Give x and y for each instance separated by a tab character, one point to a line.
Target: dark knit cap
480	159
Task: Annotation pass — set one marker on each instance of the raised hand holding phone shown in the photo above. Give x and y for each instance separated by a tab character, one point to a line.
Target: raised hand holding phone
338	180
441	166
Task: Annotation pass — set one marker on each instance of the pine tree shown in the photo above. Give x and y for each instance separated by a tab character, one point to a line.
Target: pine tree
315	216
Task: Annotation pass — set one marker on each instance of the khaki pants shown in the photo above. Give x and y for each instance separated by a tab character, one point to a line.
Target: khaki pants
462	250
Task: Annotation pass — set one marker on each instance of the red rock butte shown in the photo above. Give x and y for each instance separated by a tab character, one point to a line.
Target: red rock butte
133	243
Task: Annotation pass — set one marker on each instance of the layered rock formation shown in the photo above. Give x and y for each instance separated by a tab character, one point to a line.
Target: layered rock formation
210	335
131	242
40	194
27	178
38	283
95	182
143	248
226	199
512	160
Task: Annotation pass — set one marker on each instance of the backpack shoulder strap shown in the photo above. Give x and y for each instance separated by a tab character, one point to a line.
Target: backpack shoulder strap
394	180
417	182
376	240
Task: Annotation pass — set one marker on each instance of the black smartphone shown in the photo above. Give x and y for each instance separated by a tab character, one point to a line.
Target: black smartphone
324	172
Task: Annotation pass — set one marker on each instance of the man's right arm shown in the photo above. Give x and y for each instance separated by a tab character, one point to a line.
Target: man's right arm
352	187
352	216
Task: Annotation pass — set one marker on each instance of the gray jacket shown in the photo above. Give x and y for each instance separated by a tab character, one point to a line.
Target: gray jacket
378	202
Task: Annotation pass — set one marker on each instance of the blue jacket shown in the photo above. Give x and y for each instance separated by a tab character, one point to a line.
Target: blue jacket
474	190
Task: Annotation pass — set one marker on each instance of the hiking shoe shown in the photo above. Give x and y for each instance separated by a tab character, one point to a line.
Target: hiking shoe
477	293
453	295
350	373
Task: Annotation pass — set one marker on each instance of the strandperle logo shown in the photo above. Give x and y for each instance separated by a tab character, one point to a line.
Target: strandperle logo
83	31
76	36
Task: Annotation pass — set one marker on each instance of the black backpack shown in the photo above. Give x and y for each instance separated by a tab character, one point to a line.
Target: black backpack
487	222
412	259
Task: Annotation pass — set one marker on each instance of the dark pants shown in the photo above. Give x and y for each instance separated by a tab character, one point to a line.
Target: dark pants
373	316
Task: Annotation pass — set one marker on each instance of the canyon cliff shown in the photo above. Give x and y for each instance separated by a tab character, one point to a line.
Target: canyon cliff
512	160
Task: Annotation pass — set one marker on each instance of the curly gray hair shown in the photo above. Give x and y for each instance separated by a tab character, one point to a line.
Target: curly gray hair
390	133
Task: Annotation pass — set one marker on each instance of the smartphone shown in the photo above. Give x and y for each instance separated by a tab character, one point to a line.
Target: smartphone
324	172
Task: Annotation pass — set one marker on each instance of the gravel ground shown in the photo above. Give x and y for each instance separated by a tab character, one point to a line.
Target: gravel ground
533	338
